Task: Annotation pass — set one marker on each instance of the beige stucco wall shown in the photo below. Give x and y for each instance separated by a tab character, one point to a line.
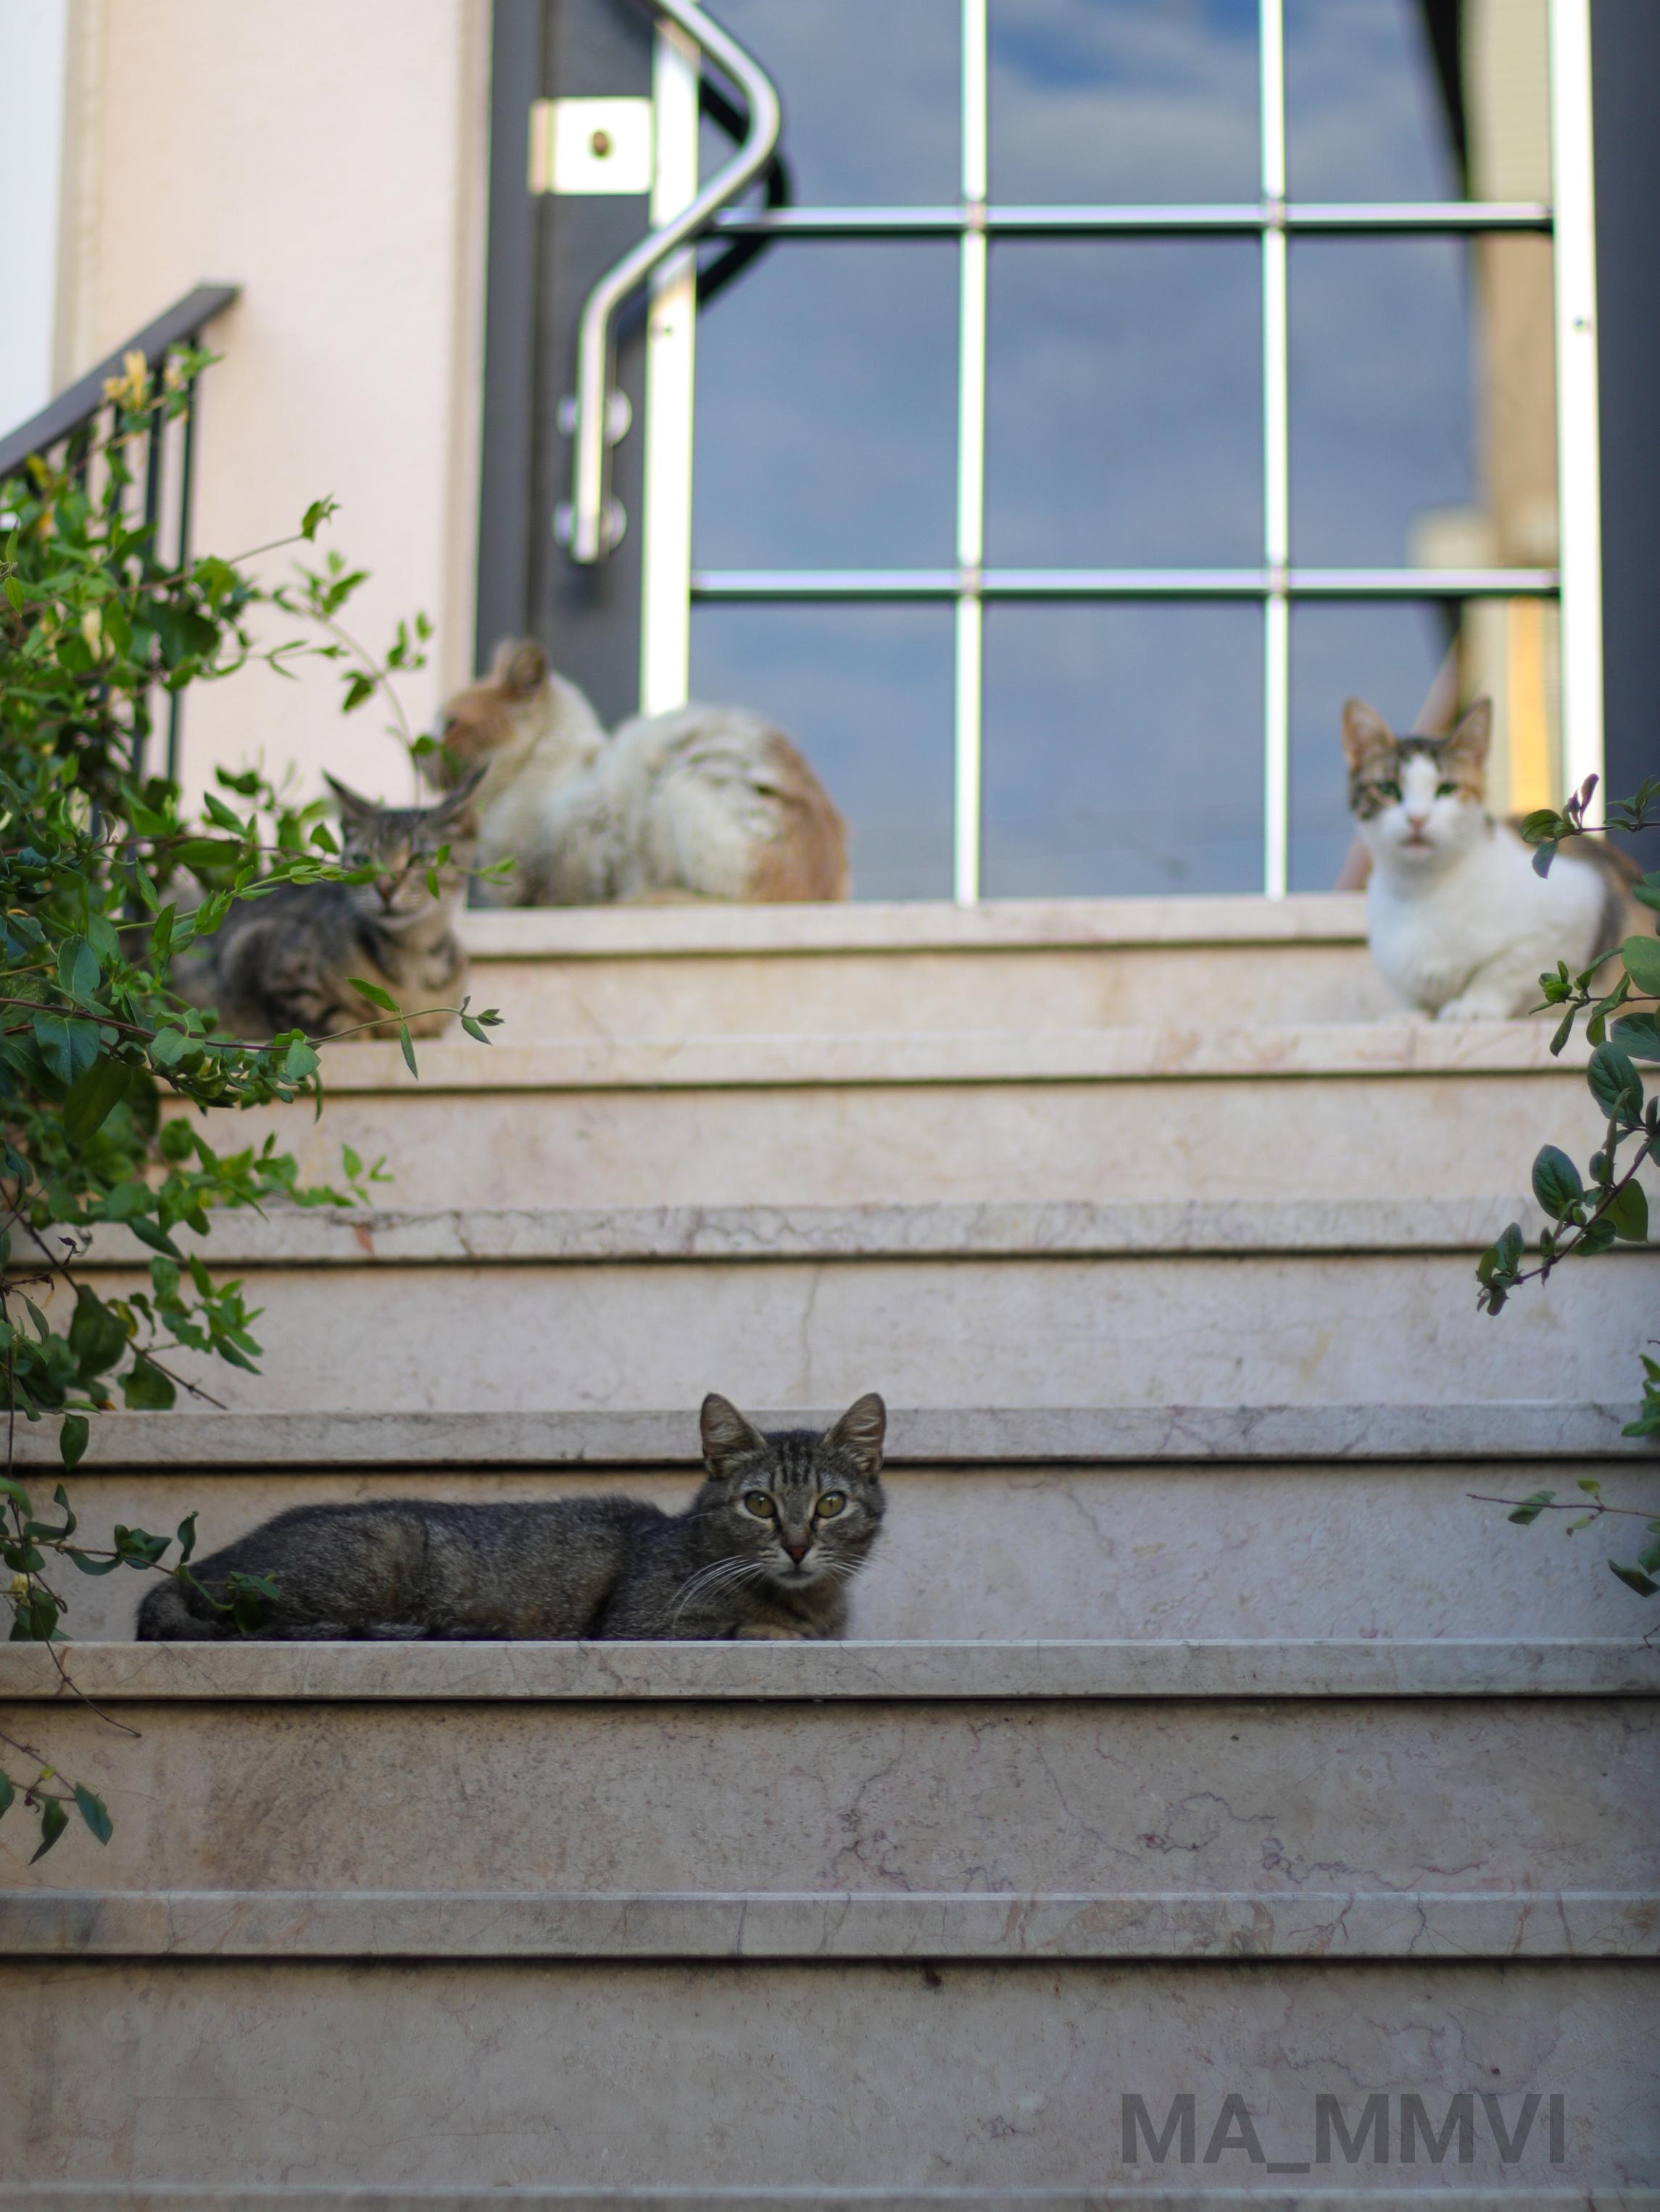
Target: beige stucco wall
329	155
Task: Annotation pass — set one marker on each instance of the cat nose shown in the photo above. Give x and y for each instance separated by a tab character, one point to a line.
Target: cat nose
798	1552
1417	821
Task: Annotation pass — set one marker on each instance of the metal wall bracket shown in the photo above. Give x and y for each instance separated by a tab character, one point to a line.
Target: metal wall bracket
591	146
591	521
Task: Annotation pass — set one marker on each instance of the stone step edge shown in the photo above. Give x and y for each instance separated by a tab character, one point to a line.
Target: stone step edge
1391	1050
312	2196
879	1672
772	1924
314	1236
879	927
1475	1431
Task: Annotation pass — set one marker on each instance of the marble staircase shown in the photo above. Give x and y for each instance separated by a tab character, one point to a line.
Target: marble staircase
1202	1739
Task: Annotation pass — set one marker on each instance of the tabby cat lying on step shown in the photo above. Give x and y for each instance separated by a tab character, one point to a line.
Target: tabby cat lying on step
704	802
782	1524
286	961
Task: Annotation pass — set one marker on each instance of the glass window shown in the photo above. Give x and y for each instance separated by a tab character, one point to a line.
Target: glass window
826	423
1383	415
1123	403
1399	99
1122	749
871	92
866	692
1142	101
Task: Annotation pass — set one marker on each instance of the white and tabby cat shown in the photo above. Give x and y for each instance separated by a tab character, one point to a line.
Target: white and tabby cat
1460	924
707	802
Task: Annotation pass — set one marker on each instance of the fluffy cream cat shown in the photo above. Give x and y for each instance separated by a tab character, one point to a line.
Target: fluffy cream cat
1460	924
709	802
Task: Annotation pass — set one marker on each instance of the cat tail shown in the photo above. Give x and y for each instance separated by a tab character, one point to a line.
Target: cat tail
165	1617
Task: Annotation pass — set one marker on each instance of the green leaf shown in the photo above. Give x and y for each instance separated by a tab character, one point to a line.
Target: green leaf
77	969
97	1338
315	516
1556	1183
95	1813
1614	1083
146	1388
1634	1578
1599	1235
68	1046
186	1538
1639	1035
373	993
72	1439
1543	822
299	1061
1530	1508
53	1821
93	1096
1590	1485
473	1029
169	1046
1642	957
408	1049
7	1794
1627	1214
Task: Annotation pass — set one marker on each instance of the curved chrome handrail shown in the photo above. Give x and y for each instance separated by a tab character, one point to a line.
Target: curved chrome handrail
589	539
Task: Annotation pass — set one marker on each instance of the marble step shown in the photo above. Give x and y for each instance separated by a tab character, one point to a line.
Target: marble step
1195	1523
1262	1777
1149	1328
912	1117
854	2083
1059	964
926	1437
825	1926
140	2196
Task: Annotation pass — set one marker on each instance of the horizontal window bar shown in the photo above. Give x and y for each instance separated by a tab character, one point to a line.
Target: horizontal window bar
1357	218
1122	583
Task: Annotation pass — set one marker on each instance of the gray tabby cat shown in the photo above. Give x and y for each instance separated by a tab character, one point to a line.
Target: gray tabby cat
285	961
782	1524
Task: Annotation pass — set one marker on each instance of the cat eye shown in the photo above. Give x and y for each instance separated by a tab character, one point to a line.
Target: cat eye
1391	790
758	1502
831	1503
1446	790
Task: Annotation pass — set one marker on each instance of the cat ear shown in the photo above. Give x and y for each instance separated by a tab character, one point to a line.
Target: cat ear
726	1434
354	807
859	1432
458	805
1472	735
521	666
1364	731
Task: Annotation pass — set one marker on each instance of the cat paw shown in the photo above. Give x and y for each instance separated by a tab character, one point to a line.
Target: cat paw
757	1631
1469	1008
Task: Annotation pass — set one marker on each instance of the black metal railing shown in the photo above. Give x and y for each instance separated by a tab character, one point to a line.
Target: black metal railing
69	422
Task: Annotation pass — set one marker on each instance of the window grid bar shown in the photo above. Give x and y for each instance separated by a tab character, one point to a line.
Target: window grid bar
1577	429
828	584
1174	218
1276	456
970	459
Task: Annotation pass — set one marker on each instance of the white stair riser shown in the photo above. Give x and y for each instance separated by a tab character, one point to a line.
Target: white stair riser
1267	1800
1233	1552
1065	1332
1243	1136
843	994
482	2076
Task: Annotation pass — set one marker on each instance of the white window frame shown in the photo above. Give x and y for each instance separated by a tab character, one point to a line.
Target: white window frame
672	585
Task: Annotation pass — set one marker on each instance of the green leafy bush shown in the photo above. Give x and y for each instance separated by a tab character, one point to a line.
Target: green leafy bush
103	881
1591	1212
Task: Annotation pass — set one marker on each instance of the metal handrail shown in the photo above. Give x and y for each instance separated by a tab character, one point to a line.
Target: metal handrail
590	537
68	419
73	409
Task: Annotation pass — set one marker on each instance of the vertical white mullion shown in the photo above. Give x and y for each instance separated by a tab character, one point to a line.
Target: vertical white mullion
970	458
1578	456
670	365
1276	458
